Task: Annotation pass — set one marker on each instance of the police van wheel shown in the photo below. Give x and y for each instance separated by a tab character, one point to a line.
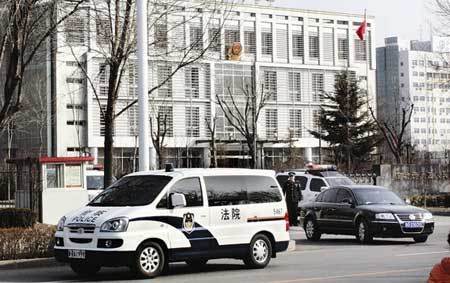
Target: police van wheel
84	269
260	252
150	260
197	263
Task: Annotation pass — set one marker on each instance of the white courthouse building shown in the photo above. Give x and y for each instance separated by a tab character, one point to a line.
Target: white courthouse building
296	54
417	72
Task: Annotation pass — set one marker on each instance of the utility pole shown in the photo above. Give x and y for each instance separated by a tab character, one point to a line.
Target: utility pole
142	45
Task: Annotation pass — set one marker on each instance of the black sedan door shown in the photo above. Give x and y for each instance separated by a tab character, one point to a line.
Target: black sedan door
344	212
326	210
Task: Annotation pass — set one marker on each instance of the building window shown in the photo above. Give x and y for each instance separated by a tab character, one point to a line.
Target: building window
295	123
214	39
343	49
75	106
298	49
360	50
295	86
74	80
316	120
132	78
102	122
76	122
133	120
192	121
196	37
266	43
317	87
103	28
314	44
231	36
165	80
249	40
192	84
328	44
270	84
282	41
165	114
161	33
76	28
271	123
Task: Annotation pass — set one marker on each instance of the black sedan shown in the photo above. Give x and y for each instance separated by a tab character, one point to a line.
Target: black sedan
366	212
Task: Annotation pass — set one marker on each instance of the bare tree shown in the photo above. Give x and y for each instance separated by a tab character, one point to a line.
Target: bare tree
116	29
25	27
394	131
242	110
159	130
211	124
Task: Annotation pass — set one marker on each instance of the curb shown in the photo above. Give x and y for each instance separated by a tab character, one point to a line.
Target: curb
29	263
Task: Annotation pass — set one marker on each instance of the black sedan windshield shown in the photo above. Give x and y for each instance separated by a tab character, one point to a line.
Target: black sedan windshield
132	191
376	196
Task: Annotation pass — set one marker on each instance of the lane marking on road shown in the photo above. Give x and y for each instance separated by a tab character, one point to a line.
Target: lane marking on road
321	250
368	274
427	253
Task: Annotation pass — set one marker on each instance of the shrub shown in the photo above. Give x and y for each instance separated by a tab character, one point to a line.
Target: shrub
21	243
441	200
17	217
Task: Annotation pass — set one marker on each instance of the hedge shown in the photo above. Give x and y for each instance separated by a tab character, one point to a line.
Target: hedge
22	243
441	200
17	218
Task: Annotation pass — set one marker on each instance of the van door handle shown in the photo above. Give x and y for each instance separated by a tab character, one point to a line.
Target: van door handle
203	216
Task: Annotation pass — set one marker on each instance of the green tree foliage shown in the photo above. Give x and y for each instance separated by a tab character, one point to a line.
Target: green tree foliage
345	123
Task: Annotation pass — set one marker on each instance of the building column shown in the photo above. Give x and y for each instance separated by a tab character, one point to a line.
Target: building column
308	154
206	157
152	159
94	153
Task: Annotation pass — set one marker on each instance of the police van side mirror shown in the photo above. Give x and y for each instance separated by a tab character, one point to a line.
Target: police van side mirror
177	200
324	189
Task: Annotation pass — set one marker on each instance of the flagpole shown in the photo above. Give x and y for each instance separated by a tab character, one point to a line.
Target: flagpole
142	45
368	53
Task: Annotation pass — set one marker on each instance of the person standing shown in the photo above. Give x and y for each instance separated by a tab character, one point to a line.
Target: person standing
292	193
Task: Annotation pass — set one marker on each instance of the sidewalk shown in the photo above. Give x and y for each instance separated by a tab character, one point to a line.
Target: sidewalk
29	263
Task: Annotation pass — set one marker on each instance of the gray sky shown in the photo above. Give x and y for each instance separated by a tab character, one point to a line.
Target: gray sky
404	18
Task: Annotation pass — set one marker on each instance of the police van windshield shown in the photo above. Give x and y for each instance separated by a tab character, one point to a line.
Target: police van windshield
339	181
132	191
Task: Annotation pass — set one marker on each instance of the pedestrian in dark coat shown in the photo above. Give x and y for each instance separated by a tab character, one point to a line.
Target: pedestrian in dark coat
292	194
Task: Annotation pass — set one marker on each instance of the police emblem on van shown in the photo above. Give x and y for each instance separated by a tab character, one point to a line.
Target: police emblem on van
188	222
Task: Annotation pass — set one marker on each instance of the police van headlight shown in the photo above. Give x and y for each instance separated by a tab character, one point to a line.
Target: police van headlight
60	225
385	216
115	225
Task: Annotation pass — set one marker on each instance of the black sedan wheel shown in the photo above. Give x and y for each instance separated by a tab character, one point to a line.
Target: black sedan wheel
363	234
311	231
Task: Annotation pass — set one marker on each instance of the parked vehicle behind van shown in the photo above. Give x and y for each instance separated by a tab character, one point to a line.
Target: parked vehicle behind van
146	220
94	182
313	181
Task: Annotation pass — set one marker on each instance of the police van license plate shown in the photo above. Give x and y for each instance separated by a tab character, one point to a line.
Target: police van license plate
413	224
79	254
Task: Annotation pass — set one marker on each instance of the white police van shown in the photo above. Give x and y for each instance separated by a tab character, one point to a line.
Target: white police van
148	219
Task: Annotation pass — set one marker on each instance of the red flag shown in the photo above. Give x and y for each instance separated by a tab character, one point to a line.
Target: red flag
361	32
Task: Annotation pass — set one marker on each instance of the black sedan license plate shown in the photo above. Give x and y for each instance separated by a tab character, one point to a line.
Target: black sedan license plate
413	224
79	254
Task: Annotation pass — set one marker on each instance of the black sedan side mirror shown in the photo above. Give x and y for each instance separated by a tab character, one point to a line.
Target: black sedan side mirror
348	201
